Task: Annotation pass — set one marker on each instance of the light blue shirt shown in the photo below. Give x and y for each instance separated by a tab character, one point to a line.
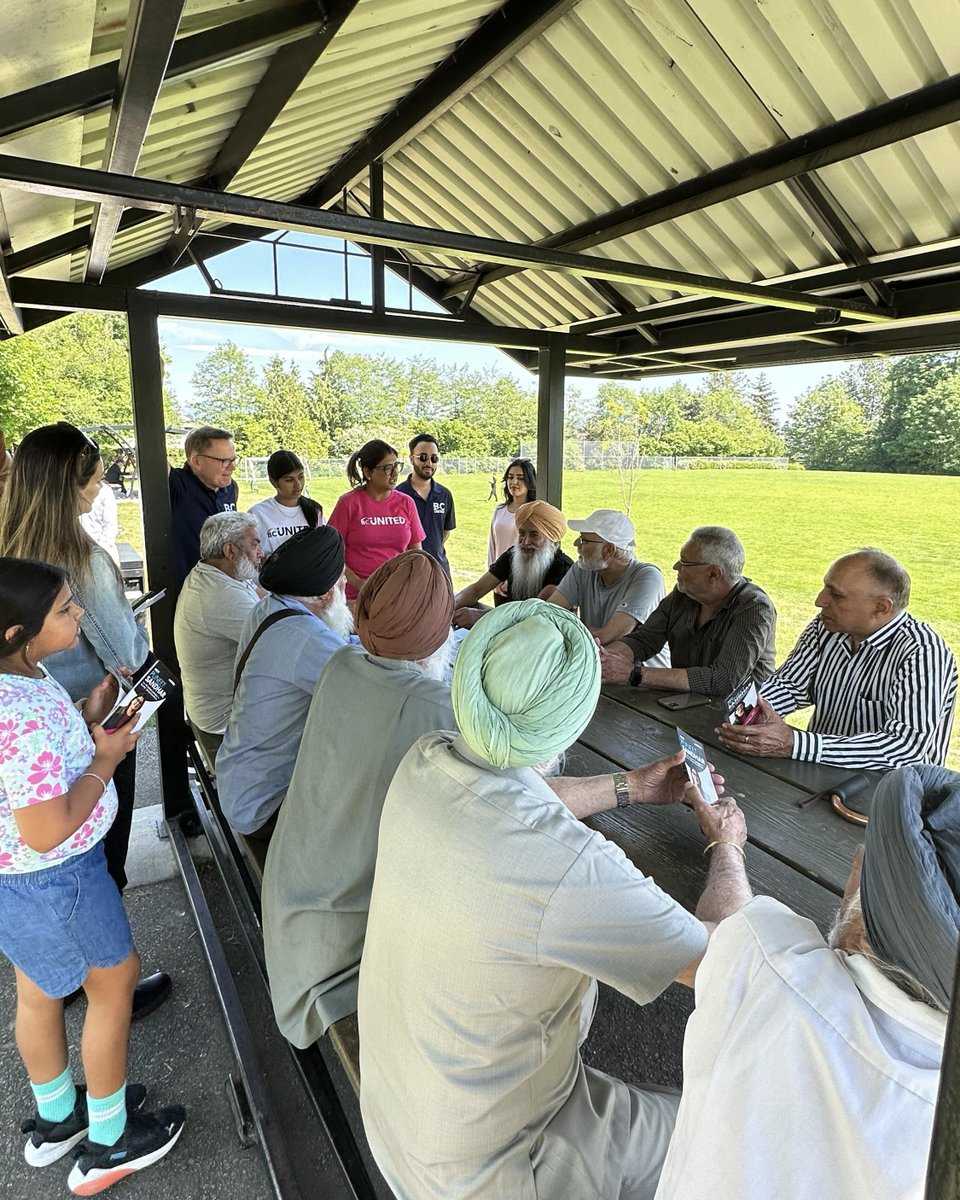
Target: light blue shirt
260	745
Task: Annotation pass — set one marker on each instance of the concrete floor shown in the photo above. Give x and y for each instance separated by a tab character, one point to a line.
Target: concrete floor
182	1053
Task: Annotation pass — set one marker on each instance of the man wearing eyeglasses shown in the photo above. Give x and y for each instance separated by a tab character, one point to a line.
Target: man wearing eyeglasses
434	502
612	591
718	624
204	485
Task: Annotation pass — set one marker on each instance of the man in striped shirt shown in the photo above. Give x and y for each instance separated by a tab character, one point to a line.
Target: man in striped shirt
883	684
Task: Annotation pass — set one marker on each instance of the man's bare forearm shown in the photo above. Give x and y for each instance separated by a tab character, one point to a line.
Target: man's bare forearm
588	795
728	888
673	678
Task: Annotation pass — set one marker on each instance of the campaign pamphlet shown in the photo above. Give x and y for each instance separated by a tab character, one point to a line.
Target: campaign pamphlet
148	601
696	764
140	698
743	704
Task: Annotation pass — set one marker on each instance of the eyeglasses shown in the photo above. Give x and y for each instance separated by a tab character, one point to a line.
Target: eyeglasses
685	562
585	541
387	468
434	458
224	462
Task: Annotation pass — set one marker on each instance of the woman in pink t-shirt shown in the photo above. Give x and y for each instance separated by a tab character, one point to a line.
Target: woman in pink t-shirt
375	522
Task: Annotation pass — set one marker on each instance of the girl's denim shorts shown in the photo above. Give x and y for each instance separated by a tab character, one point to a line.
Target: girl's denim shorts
57	923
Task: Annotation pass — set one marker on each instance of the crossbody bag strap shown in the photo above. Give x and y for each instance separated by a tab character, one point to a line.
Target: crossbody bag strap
261	629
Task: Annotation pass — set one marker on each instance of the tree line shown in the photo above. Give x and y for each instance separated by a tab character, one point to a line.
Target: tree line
892	415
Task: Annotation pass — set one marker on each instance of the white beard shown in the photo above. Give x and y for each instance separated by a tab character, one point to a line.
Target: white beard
437	665
337	614
528	570
552	767
589	565
246	572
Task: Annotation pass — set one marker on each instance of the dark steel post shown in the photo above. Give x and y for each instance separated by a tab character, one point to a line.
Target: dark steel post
550	413
378	254
146	379
943	1170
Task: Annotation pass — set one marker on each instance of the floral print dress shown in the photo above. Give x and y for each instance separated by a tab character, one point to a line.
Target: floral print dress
45	747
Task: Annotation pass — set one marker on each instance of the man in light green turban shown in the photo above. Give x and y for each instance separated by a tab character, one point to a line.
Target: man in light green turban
494	910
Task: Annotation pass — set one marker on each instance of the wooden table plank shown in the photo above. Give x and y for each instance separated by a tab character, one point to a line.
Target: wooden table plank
814	840
665	843
701	723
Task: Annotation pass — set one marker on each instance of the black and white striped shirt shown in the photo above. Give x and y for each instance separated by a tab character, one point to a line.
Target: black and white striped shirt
886	704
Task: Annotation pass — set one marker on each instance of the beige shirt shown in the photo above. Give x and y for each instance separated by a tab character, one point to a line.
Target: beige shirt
365	715
492	909
211	610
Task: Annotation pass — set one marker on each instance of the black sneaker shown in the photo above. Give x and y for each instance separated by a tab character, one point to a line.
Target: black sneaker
146	1139
51	1140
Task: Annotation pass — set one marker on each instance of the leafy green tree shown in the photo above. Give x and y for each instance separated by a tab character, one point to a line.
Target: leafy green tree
285	412
929	439
827	430
762	398
910	379
227	393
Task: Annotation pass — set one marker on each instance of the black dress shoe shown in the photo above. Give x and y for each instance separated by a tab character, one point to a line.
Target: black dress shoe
150	993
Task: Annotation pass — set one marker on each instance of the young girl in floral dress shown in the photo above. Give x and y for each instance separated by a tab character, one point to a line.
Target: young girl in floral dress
62	921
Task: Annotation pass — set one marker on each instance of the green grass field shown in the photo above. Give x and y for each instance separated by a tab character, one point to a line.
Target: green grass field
792	523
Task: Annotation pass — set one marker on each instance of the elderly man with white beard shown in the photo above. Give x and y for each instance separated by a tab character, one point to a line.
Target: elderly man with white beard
368	710
217	597
286	643
494	910
531	569
607	585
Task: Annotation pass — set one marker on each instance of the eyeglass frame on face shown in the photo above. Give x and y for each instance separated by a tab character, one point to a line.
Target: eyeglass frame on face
686	562
224	462
387	468
580	540
434	458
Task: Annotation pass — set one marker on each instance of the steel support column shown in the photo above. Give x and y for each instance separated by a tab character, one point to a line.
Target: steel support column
146	380
550	413
378	254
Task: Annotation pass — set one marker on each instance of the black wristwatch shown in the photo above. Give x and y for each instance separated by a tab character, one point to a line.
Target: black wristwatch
636	675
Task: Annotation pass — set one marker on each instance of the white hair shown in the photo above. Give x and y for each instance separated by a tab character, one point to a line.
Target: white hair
221	529
527	570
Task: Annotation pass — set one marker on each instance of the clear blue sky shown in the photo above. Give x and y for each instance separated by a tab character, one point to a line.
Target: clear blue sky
310	273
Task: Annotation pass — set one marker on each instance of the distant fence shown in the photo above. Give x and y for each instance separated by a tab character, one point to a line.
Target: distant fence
577	456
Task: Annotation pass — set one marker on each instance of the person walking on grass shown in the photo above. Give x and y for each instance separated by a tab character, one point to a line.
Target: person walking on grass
62	920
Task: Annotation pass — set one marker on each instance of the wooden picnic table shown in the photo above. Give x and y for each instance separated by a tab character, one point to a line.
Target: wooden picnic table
801	856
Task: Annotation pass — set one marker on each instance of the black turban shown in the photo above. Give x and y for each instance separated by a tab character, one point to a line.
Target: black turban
308	564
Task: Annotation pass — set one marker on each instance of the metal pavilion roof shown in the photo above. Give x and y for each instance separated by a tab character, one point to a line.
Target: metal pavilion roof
704	160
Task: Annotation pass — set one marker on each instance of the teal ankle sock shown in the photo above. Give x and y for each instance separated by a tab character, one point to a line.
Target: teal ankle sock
108	1117
56	1100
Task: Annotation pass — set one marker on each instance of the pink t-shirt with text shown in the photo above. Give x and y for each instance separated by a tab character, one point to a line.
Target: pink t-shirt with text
374	530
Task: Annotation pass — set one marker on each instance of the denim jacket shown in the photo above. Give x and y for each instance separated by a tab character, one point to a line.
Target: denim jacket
110	637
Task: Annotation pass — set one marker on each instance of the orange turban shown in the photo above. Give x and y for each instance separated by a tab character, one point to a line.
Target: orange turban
544	518
404	608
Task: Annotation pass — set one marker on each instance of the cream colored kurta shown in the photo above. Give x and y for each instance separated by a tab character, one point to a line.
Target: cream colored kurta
492	909
365	715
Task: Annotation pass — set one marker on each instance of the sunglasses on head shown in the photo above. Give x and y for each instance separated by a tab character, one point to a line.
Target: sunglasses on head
90	447
434	458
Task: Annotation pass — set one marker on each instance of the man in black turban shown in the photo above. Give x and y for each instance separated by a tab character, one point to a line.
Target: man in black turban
811	1065
284	646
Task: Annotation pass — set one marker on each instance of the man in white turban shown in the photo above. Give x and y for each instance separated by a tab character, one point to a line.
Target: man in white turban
493	911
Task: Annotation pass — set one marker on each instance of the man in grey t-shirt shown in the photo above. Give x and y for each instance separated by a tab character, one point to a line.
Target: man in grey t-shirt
613	591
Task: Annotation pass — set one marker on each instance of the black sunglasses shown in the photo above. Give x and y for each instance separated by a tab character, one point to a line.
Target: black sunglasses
90	447
434	458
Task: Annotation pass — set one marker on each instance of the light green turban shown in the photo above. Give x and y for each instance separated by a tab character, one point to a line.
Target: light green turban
525	683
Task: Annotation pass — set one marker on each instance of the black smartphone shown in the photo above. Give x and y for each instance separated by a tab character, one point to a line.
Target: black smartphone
686	700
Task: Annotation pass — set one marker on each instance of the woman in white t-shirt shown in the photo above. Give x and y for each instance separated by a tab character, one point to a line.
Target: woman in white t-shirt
290	510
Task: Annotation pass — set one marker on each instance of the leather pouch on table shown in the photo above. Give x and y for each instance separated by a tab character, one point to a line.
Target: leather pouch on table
838	794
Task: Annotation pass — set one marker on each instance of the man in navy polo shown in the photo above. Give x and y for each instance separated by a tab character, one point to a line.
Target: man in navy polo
203	486
434	502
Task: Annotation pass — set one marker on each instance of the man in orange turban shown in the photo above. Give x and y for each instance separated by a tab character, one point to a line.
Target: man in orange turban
531	569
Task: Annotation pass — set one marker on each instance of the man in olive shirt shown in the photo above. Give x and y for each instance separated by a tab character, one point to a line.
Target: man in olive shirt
719	626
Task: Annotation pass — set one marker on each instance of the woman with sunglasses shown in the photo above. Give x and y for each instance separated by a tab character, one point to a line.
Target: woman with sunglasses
375	521
55	477
519	487
289	511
